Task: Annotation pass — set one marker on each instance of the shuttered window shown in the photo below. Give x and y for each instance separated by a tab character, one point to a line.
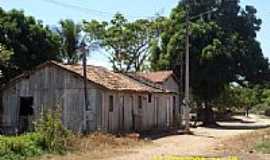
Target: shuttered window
149	98
111	104
174	101
140	102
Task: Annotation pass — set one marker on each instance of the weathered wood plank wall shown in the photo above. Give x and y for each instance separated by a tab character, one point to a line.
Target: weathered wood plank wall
50	87
125	118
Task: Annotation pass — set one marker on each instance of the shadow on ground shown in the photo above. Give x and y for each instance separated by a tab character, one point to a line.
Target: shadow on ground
228	124
240	127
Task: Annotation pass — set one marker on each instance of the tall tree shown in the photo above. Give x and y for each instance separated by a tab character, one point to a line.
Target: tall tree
69	32
127	42
32	43
223	48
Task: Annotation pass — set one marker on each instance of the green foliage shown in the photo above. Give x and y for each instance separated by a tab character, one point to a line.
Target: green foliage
20	147
263	146
127	43
50	137
223	47
262	103
4	58
32	43
53	135
4	54
239	98
265	97
70	35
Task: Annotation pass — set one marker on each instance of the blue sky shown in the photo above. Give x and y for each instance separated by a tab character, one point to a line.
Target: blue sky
51	11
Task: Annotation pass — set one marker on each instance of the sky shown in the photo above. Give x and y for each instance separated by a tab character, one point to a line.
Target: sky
51	11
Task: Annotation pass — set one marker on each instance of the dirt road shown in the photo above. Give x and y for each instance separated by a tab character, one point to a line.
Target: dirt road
204	142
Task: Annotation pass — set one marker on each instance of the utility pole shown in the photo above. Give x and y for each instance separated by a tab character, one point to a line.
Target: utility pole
85	77
84	60
186	99
187	60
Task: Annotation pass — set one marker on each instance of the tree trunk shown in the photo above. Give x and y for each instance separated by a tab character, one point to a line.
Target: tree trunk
247	111
208	117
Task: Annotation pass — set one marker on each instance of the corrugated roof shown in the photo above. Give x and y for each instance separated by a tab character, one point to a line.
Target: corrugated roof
156	77
112	80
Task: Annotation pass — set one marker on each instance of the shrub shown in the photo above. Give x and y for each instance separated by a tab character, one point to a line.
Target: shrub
50	136
20	147
53	135
260	108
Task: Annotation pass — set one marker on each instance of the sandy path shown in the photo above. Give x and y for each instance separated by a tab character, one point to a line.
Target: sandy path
204	142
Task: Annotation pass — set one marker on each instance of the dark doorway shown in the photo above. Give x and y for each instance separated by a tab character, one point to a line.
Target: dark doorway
26	113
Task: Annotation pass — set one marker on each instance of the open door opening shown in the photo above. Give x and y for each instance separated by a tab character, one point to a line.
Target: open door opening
25	114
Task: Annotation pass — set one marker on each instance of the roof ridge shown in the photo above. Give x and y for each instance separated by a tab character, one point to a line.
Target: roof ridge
103	77
145	81
116	76
157	76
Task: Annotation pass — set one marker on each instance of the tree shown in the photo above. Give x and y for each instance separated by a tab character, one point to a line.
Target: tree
127	42
32	43
265	97
223	48
70	35
235	97
4	54
4	57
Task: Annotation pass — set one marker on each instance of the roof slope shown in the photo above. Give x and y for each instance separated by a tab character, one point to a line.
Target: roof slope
156	77
112	80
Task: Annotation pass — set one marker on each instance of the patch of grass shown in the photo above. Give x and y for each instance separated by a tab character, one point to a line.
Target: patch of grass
99	146
263	146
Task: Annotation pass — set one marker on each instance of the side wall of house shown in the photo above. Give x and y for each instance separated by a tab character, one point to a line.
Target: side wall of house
128	116
53	87
172	85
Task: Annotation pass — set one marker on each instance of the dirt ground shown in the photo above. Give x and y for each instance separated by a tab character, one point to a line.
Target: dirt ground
206	142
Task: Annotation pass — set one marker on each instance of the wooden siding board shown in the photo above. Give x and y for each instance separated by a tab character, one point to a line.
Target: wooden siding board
52	86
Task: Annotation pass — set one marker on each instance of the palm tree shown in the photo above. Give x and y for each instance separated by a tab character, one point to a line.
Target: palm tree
69	32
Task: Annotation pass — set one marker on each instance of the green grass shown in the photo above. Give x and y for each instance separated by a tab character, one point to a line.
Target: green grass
263	146
20	147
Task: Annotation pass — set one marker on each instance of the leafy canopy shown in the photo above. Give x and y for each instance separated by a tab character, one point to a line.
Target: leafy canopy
127	42
69	32
31	42
223	47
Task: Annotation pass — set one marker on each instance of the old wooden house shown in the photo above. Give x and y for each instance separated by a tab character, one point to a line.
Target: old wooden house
165	79
117	102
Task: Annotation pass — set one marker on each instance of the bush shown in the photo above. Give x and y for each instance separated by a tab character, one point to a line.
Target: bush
53	135
50	137
20	147
260	108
